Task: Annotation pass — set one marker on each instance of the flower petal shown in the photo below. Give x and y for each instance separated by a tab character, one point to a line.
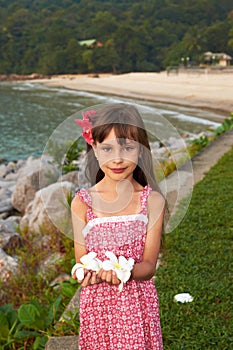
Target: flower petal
107	265
183	298
120	287
80	274
112	257
93	265
123	261
75	267
88	257
126	276
131	262
119	273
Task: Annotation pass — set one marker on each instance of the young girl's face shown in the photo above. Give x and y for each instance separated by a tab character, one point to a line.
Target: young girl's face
117	159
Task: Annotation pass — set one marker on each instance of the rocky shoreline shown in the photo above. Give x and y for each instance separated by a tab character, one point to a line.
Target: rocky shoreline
31	191
20	77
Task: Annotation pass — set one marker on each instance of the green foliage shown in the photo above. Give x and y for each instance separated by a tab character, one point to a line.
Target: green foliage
225	126
200	143
43	37
198	260
197	144
31	324
65	155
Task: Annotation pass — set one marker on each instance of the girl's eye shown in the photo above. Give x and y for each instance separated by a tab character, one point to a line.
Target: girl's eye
106	149
129	148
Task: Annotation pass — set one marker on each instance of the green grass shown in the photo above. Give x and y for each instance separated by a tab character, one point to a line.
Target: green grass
198	260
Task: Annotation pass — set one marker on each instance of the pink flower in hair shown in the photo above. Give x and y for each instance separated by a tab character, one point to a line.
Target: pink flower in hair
86	125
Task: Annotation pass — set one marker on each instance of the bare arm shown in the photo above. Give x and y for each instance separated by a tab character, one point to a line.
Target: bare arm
145	270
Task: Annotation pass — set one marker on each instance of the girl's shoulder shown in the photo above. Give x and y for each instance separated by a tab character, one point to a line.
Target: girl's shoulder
155	200
79	203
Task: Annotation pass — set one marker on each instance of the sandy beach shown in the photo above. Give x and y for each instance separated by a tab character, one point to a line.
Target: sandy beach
211	91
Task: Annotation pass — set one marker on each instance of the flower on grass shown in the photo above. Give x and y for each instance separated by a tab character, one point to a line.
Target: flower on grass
183	298
121	266
88	262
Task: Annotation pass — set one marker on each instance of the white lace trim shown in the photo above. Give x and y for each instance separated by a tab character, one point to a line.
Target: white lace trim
120	218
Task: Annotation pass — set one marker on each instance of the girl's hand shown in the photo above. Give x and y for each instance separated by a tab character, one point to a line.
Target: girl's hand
90	278
109	277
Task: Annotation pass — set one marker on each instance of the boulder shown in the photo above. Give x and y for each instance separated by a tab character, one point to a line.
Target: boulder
36	174
3	170
49	209
72	177
8	266
5	200
9	238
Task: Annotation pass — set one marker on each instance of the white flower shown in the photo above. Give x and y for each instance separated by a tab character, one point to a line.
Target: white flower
88	262
121	266
183	298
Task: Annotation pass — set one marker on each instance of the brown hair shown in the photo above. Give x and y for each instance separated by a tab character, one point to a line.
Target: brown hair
127	124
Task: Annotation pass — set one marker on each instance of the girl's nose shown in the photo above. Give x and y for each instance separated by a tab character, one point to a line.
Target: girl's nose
118	156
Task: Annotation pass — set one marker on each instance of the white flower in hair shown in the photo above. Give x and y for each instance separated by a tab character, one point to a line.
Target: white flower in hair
121	266
88	262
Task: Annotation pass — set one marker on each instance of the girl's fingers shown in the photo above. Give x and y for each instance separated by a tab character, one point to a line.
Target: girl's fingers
115	280
86	281
108	278
93	278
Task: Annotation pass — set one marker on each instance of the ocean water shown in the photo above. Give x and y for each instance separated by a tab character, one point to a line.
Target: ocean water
31	112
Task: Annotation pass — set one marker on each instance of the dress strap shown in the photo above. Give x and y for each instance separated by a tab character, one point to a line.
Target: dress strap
85	197
144	197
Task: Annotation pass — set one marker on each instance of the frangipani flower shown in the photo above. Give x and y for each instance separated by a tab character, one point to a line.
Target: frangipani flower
88	262
121	266
183	298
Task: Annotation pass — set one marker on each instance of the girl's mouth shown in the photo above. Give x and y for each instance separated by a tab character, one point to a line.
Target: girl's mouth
118	170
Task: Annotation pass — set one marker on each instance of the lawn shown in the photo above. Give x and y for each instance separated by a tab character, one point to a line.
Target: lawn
198	260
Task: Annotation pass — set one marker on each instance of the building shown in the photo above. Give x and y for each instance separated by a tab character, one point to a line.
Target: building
90	43
221	59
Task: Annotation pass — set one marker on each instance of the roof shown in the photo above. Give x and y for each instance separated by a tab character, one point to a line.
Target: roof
220	55
88	42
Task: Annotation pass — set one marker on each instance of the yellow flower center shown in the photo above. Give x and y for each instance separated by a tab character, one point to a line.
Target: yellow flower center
117	266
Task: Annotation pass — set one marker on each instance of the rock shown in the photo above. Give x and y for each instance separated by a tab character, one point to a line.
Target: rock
10	185
5	200
49	209
10	224
9	239
20	163
3	170
12	177
11	166
36	174
59	279
68	342
8	266
72	177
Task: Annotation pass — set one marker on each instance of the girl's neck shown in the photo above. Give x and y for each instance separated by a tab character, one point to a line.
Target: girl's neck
118	187
121	199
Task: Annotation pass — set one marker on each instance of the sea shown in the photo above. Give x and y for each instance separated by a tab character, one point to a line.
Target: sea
31	112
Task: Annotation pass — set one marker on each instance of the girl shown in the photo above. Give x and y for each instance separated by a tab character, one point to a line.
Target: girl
120	216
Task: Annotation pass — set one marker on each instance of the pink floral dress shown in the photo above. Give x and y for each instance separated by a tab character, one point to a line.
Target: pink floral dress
110	319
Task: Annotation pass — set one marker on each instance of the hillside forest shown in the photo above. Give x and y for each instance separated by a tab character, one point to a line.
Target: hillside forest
44	36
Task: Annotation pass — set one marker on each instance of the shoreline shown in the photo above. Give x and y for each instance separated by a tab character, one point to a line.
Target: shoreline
212	92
